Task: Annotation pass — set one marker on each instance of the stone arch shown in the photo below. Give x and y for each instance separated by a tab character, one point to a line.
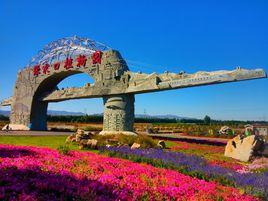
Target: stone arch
36	86
38	112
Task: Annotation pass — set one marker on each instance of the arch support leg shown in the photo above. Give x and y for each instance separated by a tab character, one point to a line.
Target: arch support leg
39	116
118	117
28	115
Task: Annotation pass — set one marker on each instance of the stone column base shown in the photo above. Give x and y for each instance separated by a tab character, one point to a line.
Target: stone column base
117	133
118	117
15	127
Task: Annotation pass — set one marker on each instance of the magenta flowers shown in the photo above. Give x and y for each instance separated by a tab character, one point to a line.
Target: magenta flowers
30	173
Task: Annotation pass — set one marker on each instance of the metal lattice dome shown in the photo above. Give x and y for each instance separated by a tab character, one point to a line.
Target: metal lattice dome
66	47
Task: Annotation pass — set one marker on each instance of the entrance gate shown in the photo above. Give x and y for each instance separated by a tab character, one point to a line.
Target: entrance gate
36	84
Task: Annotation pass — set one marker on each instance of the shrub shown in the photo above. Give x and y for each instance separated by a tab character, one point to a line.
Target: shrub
105	139
146	141
64	149
92	128
126	139
122	139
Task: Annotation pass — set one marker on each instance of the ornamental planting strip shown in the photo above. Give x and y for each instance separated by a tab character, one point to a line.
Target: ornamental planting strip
255	183
31	173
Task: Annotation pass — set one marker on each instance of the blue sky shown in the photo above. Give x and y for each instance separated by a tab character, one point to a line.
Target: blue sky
151	36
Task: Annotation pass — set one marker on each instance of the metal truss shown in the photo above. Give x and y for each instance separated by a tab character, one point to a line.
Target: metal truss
66	47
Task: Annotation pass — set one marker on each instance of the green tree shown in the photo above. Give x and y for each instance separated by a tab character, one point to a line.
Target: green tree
207	120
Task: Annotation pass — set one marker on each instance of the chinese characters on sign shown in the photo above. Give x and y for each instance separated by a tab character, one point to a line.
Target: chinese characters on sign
68	63
45	68
56	66
81	61
36	70
96	57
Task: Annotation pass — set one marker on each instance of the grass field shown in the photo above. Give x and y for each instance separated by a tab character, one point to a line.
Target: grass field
40	141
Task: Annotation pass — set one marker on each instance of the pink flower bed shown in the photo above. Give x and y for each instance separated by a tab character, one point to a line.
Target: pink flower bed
31	173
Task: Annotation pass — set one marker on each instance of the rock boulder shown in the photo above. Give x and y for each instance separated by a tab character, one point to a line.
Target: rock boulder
135	145
92	143
161	144
80	132
224	130
243	149
71	138
82	135
264	151
15	127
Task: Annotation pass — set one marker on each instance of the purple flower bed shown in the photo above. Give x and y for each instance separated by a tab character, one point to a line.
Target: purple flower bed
253	183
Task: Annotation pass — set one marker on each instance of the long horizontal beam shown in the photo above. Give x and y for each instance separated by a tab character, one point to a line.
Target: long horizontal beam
7	102
145	83
175	81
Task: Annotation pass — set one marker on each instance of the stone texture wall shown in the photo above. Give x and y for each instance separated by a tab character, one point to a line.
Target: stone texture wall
22	98
118	113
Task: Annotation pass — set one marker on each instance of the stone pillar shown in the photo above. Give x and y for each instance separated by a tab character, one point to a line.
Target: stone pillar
38	119
118	114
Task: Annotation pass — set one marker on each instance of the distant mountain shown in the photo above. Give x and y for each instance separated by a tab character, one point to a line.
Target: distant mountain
66	113
4	112
164	116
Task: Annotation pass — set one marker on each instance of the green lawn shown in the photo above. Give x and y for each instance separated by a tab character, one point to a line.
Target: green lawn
42	141
170	144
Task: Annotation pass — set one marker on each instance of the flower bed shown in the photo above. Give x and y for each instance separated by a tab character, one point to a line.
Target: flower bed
213	154
195	166
31	173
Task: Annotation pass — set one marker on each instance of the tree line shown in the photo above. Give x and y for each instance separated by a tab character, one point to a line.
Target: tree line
99	118
206	121
4	118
